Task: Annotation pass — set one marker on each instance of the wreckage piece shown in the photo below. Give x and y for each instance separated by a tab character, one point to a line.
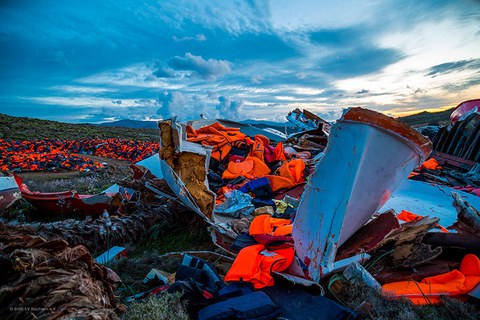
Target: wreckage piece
407	246
355	177
425	199
468	216
433	268
100	234
306	120
111	254
9	193
445	159
184	166
457	243
464	109
152	163
48	279
369	235
65	203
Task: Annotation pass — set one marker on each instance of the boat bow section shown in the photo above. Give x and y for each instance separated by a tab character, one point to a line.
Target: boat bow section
367	157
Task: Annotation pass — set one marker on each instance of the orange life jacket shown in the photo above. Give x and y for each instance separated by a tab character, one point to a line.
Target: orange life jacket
431	164
278	151
278	182
265	224
429	290
254	264
216	135
258	147
293	170
251	168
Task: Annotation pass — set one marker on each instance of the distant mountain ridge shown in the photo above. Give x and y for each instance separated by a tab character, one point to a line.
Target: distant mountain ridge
139	124
127	123
415	120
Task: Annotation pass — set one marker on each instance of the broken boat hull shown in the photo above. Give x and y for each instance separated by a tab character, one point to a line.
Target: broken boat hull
65	202
9	193
367	157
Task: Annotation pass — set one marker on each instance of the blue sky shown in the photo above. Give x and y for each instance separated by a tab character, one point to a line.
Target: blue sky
95	61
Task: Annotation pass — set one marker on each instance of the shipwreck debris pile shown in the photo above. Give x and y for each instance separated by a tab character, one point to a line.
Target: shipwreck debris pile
55	154
300	222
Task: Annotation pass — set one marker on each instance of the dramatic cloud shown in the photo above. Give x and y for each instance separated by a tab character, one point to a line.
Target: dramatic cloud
210	69
94	61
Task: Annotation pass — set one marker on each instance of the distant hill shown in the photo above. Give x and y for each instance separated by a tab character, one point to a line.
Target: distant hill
137	124
21	128
153	124
426	118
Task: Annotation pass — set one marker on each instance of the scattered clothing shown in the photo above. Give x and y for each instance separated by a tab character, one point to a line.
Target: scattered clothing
260	188
296	304
253	306
236	203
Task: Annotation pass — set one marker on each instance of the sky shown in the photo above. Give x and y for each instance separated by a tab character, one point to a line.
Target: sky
97	61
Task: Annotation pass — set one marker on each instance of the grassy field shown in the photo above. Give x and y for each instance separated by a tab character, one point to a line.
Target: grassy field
20	128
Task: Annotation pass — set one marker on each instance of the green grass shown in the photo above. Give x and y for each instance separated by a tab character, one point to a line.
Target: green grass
166	306
164	239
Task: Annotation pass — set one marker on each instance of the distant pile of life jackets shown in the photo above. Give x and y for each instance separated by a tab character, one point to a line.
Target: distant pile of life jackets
56	154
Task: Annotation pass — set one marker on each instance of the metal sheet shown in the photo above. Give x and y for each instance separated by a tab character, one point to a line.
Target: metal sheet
153	164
